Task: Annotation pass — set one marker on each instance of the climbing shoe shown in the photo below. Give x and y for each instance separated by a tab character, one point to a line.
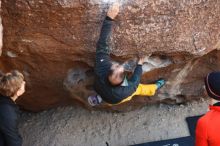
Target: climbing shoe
94	100
160	83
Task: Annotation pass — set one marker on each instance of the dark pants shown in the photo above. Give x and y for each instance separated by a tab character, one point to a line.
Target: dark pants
1	140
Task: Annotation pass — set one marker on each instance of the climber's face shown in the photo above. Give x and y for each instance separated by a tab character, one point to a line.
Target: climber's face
22	89
116	75
204	91
211	100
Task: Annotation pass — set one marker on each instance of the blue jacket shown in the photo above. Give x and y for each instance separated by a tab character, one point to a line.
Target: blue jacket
9	114
111	94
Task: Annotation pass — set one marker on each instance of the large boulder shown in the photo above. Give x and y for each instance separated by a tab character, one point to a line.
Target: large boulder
53	44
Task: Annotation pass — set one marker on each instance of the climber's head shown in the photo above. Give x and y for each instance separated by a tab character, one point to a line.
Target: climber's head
116	74
12	84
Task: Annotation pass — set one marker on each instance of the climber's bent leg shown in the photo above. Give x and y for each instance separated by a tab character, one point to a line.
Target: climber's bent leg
142	90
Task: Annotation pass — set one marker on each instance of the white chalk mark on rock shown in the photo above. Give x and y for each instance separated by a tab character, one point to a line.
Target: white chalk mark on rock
11	54
176	82
154	62
27	41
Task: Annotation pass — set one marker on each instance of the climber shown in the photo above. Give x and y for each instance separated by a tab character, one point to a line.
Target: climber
208	127
12	85
111	82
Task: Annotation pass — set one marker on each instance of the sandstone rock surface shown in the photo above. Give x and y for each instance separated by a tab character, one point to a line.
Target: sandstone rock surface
53	44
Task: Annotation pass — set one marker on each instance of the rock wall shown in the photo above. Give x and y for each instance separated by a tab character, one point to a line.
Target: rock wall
53	44
1	30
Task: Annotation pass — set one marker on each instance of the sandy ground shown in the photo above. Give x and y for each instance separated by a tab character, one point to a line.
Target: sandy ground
74	126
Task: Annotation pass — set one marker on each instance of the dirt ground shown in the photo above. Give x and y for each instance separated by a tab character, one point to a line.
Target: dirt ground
74	126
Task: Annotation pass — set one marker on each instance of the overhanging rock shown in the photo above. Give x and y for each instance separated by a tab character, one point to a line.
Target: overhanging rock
53	44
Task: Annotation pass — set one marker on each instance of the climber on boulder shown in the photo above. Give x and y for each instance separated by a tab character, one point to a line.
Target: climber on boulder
111	82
